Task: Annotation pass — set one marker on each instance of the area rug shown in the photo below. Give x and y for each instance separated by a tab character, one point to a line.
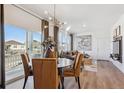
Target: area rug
92	67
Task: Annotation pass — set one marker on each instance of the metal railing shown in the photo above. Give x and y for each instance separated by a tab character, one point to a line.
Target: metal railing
14	66
12	61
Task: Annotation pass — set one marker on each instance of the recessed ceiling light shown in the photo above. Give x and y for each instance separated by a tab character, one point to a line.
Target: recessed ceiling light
84	25
45	26
50	18
46	12
68	28
65	23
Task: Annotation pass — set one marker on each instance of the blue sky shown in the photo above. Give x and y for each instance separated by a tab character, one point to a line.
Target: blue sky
14	33
18	34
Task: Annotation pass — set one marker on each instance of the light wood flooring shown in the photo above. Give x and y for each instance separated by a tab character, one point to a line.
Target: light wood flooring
106	77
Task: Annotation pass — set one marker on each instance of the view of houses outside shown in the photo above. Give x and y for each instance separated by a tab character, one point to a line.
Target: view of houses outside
15	45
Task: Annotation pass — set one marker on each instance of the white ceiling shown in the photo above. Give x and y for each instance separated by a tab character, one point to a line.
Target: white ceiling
96	17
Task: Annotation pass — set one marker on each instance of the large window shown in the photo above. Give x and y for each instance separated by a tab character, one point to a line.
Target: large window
36	43
18	41
15	44
64	41
20	37
68	42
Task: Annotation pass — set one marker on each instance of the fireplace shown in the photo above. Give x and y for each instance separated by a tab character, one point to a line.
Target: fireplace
117	49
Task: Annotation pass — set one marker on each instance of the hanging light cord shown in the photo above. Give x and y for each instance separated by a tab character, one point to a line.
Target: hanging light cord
54	13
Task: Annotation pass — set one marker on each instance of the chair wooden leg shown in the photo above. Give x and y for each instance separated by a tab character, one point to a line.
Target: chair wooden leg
81	68
59	86
79	82
76	79
25	82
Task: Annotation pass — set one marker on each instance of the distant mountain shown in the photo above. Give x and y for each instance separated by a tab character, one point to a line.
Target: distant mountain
13	42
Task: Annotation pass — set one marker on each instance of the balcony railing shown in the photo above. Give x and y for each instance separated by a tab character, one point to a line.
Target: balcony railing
12	61
13	66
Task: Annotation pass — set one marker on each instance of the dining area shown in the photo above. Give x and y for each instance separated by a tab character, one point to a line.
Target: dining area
43	47
49	72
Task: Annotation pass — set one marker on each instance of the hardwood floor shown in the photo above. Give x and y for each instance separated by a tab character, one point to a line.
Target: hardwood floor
106	77
88	80
109	76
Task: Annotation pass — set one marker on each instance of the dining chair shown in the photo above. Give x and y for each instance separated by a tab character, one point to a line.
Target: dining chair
51	54
75	70
27	68
27	56
45	73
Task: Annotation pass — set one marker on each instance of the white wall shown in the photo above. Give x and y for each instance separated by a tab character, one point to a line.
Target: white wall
100	44
103	48
121	23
